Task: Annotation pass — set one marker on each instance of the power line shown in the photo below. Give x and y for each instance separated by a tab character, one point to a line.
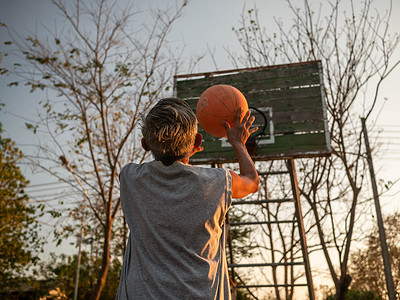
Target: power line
386	137
52	195
35	201
390	158
49	183
391	125
385	131
47	189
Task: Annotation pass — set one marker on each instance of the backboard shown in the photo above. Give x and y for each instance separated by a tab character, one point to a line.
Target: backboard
287	101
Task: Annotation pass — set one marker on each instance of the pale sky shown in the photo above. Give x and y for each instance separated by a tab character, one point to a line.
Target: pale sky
205	23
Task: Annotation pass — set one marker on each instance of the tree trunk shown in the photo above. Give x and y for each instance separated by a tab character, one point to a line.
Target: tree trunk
101	279
343	287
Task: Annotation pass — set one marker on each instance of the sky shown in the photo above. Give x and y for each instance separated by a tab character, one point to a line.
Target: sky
204	24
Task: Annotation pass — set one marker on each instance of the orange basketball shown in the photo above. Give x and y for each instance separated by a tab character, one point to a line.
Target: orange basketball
219	103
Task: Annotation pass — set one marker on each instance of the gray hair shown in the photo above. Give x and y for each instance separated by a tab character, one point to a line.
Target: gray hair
169	130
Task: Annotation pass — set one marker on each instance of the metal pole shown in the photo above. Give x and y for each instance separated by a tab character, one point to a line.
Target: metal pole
227	229
229	239
302	233
382	235
78	265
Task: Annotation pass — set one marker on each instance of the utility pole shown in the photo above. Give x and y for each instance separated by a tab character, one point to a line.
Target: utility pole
78	264
382	235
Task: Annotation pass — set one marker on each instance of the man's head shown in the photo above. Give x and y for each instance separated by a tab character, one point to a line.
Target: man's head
169	130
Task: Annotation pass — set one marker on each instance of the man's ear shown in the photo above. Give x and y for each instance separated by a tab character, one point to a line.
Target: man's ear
198	140
144	145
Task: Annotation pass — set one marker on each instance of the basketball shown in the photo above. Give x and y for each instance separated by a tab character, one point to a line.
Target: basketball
219	103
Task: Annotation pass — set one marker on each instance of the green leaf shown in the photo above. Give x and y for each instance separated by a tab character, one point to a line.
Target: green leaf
15	83
18	227
32	127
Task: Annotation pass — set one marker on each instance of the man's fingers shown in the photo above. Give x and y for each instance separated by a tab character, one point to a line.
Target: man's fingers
250	121
226	125
246	117
253	130
246	122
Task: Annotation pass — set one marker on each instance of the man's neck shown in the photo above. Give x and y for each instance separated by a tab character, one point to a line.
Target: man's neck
185	160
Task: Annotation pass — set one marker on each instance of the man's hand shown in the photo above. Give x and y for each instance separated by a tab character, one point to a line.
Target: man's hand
240	132
247	182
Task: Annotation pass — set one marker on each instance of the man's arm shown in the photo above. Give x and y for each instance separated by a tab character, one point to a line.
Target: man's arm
247	182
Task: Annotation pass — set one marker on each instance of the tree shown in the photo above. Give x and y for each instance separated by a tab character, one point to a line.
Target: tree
107	66
58	272
357	295
19	240
356	50
367	264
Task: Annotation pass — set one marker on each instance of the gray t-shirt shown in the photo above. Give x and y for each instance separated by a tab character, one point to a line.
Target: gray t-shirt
176	246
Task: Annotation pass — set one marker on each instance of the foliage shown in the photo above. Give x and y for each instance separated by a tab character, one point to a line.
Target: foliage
367	263
55	294
60	271
358	295
243	295
240	238
19	240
